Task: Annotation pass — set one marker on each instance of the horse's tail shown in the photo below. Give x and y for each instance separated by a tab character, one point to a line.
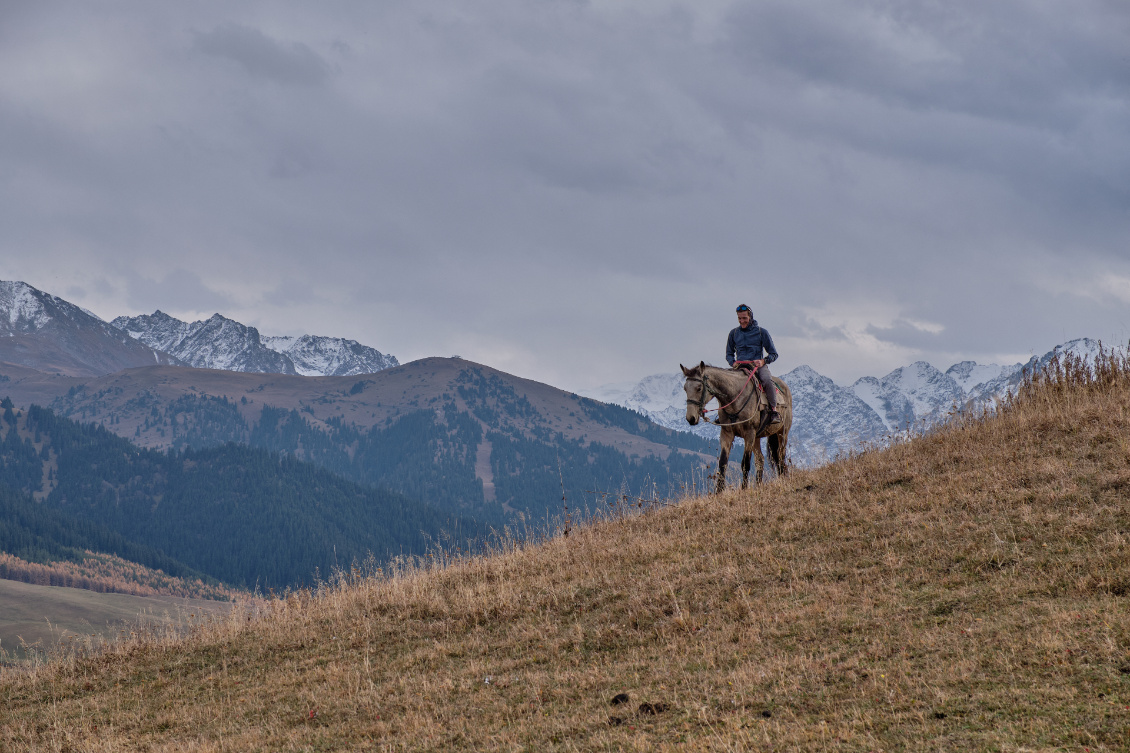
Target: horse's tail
777	445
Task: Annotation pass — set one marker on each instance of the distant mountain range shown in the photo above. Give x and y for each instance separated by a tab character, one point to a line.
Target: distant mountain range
46	333
222	343
465	438
458	435
831	419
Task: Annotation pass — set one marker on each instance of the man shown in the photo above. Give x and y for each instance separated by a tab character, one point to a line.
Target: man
745	345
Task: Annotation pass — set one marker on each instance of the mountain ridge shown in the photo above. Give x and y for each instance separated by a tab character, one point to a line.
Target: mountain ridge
45	332
42	331
829	421
222	343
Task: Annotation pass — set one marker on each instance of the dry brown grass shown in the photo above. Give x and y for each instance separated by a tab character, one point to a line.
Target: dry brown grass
968	590
107	573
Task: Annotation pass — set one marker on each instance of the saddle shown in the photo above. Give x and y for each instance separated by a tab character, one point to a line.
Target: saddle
762	399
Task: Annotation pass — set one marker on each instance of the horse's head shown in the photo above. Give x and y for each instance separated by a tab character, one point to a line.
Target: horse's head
695	387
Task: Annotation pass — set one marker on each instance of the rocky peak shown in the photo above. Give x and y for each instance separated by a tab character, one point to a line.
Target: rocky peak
222	343
47	333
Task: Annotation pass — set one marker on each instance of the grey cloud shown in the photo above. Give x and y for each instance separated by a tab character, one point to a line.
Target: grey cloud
284	62
295	160
591	129
289	293
178	290
575	178
904	333
1001	59
1015	93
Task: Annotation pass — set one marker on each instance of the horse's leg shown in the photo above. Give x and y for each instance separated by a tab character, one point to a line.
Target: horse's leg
758	458
724	458
745	459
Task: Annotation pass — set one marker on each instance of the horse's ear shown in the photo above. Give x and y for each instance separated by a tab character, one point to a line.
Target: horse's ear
686	371
702	367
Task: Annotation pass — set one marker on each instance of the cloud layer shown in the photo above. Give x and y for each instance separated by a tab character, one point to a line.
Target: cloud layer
581	192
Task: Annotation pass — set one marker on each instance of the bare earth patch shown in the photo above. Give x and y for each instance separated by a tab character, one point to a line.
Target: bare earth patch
483	470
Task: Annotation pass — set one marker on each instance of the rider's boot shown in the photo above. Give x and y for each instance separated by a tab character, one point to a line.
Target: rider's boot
768	418
771	416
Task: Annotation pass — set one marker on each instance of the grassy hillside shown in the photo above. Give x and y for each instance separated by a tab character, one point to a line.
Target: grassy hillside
967	590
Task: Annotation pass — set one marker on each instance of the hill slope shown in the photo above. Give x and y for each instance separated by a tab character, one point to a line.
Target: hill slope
967	590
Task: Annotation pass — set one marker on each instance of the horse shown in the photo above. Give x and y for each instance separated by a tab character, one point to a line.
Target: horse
740	415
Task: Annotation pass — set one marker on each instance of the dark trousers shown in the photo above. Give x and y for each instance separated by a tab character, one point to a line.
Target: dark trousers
766	380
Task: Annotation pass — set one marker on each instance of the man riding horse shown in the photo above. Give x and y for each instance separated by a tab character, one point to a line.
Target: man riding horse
744	349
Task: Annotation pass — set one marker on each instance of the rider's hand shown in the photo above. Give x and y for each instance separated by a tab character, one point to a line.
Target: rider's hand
759	362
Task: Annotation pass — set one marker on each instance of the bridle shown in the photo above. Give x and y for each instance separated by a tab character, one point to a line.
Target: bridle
708	393
705	395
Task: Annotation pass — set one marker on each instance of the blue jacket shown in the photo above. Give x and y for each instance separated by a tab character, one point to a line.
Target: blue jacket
747	344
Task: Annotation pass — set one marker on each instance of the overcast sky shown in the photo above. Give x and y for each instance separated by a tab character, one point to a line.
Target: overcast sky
581	192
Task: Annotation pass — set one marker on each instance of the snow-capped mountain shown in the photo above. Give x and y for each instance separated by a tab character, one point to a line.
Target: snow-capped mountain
969	375
1011	376
46	333
830	420
909	394
216	343
26	310
330	356
222	343
660	397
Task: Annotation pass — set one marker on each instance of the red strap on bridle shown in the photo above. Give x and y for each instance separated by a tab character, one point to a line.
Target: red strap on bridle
727	405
